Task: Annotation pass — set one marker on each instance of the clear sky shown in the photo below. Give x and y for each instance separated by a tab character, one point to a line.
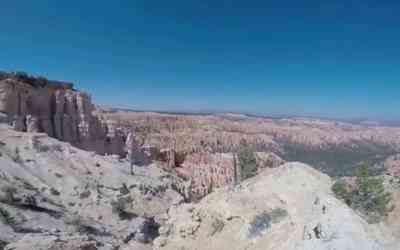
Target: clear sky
333	58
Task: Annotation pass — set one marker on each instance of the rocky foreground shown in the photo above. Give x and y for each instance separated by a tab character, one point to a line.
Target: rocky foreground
290	207
56	196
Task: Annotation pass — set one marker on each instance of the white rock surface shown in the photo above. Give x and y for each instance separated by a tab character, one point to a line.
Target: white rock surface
294	207
58	189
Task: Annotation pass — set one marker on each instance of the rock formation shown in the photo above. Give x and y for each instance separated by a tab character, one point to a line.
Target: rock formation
68	115
208	171
334	147
268	160
56	196
392	165
286	208
59	111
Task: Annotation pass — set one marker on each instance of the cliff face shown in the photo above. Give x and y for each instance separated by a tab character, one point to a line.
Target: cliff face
208	171
59	111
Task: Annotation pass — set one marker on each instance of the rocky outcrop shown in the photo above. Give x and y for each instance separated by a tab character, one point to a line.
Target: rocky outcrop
208	171
59	111
268	160
287	208
53	195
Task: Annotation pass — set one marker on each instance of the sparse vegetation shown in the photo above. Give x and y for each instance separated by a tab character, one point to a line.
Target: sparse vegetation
54	191
9	193
264	220
120	206
37	81
217	226
6	217
368	196
85	194
31	200
58	175
75	220
341	190
3	244
247	161
82	226
123	190
16	157
338	160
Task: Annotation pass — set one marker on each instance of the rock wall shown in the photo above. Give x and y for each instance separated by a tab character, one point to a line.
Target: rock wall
208	171
59	111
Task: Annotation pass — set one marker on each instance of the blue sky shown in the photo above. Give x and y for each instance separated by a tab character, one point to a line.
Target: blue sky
330	58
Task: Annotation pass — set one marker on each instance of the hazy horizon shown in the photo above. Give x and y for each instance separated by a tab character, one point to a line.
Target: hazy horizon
351	119
316	58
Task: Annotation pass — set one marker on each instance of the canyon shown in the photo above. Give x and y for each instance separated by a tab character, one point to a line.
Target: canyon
193	144
79	176
197	147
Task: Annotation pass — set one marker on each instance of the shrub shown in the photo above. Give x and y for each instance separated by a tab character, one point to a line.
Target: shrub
54	191
264	220
340	190
21	75
42	81
36	81
30	200
9	192
124	189
6	218
368	196
3	244
247	161
74	220
120	206
217	226
371	195
17	156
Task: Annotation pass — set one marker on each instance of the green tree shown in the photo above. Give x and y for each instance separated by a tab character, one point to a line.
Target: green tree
370	194
247	161
341	191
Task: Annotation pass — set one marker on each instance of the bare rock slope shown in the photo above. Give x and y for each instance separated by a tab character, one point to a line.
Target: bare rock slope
290	207
56	196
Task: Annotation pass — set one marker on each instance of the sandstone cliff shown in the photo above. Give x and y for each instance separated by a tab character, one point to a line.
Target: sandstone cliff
58	110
